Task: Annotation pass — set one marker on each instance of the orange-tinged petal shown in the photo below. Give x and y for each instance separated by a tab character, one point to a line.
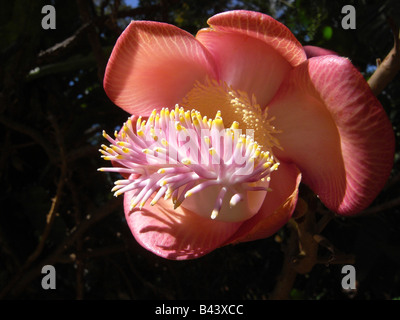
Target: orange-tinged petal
335	131
154	65
253	51
176	234
277	208
246	63
261	27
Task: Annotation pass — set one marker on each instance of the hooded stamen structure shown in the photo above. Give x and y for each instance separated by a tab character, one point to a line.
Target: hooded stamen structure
177	154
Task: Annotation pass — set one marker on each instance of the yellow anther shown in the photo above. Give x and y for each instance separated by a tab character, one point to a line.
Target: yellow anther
214	214
218	124
139	121
187	115
125	127
235	125
188	194
275	166
195	122
142	204
133	204
178	126
168	194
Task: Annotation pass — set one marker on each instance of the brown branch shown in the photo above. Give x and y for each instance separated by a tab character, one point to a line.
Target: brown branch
32	133
301	250
50	215
61	47
389	67
287	277
18	286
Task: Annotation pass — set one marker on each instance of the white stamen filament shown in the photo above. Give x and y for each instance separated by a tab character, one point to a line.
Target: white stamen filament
178	153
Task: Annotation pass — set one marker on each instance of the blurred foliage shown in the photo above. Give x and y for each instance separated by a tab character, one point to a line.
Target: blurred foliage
52	111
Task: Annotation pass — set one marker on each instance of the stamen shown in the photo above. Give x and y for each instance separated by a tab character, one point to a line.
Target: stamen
178	153
237	107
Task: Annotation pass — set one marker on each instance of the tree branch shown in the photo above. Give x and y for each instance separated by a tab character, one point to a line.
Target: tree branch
23	279
31	132
50	215
389	67
301	250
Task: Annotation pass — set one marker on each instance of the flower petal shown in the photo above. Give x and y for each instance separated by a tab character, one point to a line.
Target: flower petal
245	63
277	208
335	131
176	234
253	51
262	27
313	51
154	65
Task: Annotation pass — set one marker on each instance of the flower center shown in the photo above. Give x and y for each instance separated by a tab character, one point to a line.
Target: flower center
217	172
236	106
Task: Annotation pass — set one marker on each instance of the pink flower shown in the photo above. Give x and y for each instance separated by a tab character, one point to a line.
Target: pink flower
313	120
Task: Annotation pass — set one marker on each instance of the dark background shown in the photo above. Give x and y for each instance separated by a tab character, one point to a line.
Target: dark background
52	111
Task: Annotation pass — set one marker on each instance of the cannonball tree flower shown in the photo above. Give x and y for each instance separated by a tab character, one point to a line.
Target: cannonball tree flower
225	125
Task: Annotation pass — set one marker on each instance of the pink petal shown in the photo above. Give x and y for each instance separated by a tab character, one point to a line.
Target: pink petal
176	234
277	208
154	65
335	131
313	51
262	27
246	63
253	51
